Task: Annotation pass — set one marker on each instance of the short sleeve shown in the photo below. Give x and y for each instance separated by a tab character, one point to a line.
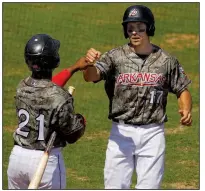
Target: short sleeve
178	80
104	65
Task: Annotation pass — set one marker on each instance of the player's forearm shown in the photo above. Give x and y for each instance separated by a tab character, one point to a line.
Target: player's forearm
74	129
62	77
185	101
91	74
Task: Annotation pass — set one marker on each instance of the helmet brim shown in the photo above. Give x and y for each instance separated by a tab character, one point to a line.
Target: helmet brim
134	20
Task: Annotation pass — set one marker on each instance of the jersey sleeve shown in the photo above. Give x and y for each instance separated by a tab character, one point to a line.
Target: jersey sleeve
178	80
104	65
70	123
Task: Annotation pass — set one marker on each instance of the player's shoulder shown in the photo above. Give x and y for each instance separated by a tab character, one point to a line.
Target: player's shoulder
115	50
59	96
58	91
166	56
21	83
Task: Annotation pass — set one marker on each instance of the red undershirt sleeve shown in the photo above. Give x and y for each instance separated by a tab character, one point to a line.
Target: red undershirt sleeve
61	78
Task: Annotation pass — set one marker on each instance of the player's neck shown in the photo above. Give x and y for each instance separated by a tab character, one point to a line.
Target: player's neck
143	49
42	75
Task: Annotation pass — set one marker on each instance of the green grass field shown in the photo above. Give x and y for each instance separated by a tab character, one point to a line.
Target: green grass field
80	26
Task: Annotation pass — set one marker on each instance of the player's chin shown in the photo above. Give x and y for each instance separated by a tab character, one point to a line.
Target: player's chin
136	42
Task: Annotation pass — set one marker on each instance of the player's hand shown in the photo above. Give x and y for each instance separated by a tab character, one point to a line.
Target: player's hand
92	55
82	64
186	117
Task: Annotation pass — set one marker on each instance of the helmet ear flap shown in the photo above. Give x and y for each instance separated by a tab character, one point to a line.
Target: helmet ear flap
150	30
57	62
125	30
50	62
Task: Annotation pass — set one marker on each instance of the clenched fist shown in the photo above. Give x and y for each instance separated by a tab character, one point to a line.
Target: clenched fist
92	55
82	64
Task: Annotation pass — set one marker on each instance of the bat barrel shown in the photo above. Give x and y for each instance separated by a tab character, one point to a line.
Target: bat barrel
34	184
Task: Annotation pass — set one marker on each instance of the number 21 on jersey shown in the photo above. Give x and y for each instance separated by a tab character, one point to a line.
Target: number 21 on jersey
39	122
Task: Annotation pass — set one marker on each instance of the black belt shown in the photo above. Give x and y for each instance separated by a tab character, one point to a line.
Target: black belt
26	147
125	122
137	124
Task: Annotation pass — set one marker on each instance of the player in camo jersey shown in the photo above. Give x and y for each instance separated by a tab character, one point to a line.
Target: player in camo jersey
138	77
43	107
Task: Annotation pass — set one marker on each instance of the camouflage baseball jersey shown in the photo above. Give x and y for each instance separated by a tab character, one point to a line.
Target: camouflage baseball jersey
138	88
41	107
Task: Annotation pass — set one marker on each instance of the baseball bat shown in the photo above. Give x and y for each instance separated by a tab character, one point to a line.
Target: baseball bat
34	184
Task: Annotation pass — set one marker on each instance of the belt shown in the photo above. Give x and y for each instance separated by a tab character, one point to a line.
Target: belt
125	122
28	151
26	147
137	124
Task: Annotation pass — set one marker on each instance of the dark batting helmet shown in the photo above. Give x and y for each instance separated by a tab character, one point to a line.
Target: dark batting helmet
41	53
139	13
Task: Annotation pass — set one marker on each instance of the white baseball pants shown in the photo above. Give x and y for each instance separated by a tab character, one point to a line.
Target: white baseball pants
23	163
135	147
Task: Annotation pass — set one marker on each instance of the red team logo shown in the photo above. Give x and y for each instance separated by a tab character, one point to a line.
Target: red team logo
141	79
133	13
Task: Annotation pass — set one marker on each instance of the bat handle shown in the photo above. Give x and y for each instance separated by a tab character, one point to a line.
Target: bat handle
71	89
50	142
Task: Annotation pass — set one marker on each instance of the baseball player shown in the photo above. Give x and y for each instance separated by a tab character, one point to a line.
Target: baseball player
138	77
43	107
